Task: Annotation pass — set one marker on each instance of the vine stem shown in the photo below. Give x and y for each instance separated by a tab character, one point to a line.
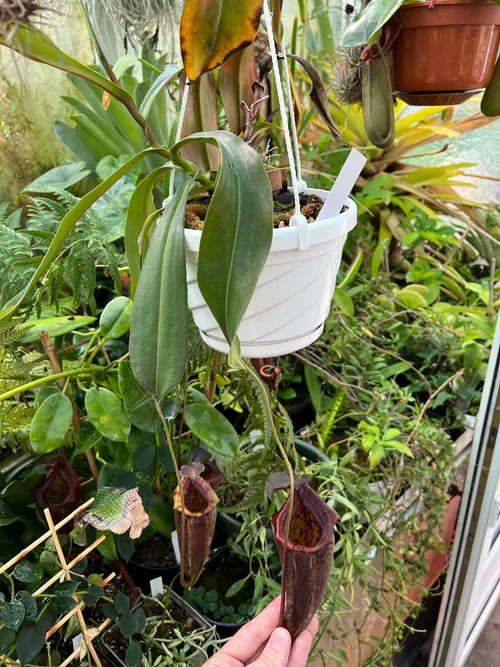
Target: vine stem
292	487
51	378
178	477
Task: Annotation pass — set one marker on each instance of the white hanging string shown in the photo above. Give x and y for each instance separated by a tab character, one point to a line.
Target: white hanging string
302	183
283	108
178	134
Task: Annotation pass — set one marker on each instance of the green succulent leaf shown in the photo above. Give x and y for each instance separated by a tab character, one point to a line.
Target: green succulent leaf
54	326
105	411
133	656
51	423
116	317
210	426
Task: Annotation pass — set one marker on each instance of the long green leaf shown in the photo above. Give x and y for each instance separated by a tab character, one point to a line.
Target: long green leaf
238	230
33	44
166	77
159	333
370	20
67	224
141	206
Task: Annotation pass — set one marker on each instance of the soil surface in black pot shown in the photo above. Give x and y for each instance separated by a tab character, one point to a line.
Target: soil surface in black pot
183	622
221	574
155	552
284	208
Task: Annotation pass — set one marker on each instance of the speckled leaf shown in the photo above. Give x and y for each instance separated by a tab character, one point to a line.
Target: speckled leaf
117	510
211	30
105	411
7	639
30	607
51	423
12	614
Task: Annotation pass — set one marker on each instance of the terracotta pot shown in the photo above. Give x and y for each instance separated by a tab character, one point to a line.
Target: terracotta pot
446	50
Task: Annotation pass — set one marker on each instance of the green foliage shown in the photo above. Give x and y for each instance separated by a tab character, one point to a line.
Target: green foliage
210	605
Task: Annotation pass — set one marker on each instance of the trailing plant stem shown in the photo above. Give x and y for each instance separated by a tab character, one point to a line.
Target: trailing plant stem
292	483
52	378
178	477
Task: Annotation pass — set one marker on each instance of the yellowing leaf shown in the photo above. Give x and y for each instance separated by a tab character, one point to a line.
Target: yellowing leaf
212	30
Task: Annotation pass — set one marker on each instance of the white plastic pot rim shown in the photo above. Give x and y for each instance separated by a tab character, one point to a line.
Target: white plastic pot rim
287	238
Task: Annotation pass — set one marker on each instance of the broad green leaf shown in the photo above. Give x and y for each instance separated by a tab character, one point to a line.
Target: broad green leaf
125	546
105	411
344	302
166	77
127	624
30	641
211	427
116	317
159	333
161	514
314	387
140	207
67	225
238	230
394	369
144	457
12	614
29	602
133	656
370	20
59	178
212	30
87	438
398	446
79	143
237	75
51	424
25	572
54	326
235	588
116	510
7	639
35	45
140	406
378	256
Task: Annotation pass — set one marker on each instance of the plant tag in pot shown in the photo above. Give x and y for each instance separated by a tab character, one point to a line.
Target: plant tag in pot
175	543
156	586
342	187
77	641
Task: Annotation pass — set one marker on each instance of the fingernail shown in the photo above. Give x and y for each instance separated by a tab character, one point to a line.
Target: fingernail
280	640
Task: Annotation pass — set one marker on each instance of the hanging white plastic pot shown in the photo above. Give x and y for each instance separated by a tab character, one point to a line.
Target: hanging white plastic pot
292	299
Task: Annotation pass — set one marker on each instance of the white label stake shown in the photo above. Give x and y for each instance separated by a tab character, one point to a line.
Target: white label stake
156	586
342	187
175	543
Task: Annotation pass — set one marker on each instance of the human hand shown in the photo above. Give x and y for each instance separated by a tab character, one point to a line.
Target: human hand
250	646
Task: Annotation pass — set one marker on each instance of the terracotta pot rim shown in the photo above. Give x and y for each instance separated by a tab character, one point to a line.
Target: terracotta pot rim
449	13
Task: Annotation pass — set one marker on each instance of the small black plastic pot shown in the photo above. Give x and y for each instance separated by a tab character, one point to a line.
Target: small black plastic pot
224	630
142	574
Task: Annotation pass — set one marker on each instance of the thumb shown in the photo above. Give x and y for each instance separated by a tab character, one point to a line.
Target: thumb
277	651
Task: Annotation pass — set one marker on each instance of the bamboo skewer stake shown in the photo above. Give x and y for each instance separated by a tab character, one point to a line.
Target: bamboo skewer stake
89	634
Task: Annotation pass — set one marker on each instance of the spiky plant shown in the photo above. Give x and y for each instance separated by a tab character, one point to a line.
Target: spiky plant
13	12
347	80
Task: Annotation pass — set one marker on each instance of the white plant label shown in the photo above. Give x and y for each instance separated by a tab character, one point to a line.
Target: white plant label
77	641
343	186
175	543
156	586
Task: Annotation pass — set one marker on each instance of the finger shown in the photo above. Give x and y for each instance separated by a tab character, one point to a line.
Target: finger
249	639
219	660
277	651
302	645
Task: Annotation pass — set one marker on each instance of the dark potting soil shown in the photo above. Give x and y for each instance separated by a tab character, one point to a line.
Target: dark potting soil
98	565
155	552
183	622
284	208
221	575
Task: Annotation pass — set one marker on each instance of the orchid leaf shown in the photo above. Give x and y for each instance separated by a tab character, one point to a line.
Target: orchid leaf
201	116
212	30
116	510
35	45
166	77
237	75
159	332
238	230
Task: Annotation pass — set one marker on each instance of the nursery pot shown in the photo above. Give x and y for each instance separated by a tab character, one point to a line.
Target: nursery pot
198	661
292	299
446	50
